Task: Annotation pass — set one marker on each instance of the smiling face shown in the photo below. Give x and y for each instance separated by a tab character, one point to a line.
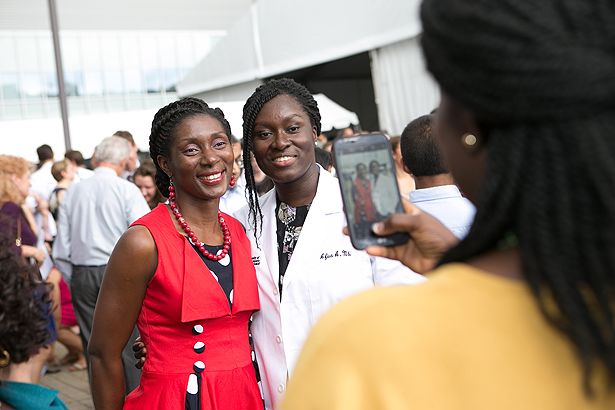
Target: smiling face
200	158
284	140
361	170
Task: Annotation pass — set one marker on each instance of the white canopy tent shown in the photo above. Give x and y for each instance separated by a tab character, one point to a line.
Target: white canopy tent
279	36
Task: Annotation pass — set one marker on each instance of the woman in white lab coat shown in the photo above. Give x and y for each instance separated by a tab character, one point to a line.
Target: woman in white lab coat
303	217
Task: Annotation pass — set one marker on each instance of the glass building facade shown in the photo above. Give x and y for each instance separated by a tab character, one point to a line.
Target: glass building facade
104	71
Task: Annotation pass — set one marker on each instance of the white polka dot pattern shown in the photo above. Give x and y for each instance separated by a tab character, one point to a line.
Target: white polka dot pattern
193	386
224	261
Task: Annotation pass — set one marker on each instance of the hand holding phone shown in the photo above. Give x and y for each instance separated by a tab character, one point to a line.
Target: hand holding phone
366	174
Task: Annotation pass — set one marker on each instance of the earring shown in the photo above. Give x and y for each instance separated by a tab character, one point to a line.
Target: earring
5	359
171	189
233	181
469	141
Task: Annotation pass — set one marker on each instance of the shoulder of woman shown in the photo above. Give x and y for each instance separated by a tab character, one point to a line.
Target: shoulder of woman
136	253
10	208
138	239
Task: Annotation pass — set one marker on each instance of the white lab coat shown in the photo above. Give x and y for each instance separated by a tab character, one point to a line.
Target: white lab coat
323	270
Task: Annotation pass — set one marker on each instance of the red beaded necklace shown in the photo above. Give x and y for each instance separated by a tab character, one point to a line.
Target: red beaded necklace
192	235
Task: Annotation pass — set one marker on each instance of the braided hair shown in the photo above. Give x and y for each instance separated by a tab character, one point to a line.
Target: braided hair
254	104
539	76
164	124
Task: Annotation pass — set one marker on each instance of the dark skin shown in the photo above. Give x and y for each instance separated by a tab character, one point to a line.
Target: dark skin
199	148
430	239
284	140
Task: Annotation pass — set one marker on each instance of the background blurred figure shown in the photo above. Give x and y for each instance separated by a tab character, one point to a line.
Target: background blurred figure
263	183
42	184
23	332
404	179
14	188
145	179
235	197
18	222
42	180
382	188
324	158
436	192
93	216
133	161
76	157
64	173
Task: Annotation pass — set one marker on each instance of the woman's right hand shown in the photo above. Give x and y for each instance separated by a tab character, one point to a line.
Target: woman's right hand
429	239
140	352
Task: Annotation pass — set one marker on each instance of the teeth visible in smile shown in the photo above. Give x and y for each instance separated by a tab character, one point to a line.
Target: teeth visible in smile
212	177
282	159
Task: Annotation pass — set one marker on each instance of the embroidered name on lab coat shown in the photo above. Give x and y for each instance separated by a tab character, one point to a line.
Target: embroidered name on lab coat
336	254
256	260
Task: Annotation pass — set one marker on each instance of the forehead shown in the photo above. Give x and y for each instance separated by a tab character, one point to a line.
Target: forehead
144	180
198	125
279	108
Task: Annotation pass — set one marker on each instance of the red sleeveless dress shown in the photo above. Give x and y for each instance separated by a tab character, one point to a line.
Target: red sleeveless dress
197	346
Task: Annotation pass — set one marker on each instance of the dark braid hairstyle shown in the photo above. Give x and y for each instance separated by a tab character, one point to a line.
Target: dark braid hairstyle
254	104
540	79
163	127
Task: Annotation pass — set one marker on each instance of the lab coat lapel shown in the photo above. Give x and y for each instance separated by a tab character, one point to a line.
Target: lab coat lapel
269	241
325	202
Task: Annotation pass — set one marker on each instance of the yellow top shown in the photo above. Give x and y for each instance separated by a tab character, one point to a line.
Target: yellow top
466	339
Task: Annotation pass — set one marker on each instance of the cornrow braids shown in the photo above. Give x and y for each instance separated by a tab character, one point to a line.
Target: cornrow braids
254	104
164	124
550	124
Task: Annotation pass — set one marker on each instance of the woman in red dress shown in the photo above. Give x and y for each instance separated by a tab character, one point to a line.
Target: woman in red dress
364	210
184	274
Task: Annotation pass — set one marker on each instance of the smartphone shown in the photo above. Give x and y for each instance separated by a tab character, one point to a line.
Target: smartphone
366	174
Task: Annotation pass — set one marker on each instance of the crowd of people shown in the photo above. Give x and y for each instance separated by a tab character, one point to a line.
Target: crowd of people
217	275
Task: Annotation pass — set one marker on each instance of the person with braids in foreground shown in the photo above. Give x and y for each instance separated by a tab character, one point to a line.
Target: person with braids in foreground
304	264
183	273
520	313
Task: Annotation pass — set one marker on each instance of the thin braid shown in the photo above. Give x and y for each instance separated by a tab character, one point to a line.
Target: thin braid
163	127
252	107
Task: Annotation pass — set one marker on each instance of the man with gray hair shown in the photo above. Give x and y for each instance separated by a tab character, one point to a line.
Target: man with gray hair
92	217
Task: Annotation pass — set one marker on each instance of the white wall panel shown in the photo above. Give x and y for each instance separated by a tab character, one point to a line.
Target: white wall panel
403	87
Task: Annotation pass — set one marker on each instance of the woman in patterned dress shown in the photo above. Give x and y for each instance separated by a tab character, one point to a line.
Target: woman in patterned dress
184	274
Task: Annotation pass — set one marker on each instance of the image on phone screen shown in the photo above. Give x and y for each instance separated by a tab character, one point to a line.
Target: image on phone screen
367	179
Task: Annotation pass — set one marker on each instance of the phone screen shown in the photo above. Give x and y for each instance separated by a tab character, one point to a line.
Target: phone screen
366	174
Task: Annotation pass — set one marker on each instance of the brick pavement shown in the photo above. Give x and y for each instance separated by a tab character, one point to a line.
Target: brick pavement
73	386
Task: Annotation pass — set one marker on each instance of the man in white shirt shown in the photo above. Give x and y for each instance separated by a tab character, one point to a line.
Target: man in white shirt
76	157
436	192
92	217
42	182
